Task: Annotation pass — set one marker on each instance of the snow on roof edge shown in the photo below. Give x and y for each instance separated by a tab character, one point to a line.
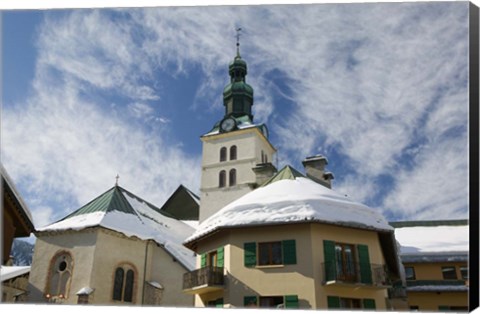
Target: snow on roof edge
191	239
9	272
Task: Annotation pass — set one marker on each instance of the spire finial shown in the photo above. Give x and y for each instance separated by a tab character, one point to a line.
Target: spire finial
116	179
238	40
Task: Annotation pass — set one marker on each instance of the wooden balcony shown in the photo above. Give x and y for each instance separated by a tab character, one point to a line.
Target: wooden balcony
203	280
356	274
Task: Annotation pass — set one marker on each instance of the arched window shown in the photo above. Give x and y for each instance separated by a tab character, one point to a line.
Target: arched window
118	284
232	178
123	284
233	152
223	154
59	275
222	179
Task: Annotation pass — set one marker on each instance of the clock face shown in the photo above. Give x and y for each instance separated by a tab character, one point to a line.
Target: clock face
227	124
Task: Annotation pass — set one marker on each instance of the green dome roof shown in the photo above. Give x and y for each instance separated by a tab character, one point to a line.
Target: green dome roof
237	87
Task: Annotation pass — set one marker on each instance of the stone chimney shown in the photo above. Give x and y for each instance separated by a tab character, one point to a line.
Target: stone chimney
264	172
315	170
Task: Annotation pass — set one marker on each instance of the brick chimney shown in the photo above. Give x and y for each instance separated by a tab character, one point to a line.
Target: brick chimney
315	170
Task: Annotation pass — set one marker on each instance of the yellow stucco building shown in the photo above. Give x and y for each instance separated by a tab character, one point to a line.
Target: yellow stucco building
293	243
435	258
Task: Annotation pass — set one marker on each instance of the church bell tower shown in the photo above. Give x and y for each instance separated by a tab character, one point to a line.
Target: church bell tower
237	154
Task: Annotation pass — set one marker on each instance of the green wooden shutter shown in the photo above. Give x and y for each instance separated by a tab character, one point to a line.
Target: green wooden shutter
289	252
219	302
220	257
369	304
329	255
333	302
249	301
291	302
365	268
250	254
203	260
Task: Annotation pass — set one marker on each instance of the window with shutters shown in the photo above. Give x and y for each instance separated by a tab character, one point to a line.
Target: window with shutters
124	283
351	264
210	274
215	303
270	253
335	302
213	258
345	256
287	301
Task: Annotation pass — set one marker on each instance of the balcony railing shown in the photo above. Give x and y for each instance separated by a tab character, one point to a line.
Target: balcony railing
207	277
355	273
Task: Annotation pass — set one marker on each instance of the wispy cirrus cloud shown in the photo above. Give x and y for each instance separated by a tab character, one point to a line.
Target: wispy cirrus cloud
386	96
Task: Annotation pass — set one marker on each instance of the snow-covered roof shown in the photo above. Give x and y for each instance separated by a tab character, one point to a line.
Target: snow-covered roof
155	284
438	288
192	223
85	291
18	198
9	272
293	200
434	238
122	211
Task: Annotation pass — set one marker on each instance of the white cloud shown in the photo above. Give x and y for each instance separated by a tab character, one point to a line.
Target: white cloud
69	149
376	89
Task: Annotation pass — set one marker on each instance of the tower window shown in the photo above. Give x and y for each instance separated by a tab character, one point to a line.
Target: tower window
223	154
232	177
233	152
222	179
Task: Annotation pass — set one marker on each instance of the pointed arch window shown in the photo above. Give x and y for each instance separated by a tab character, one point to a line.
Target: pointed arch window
123	284
222	179
233	152
223	154
232	178
60	274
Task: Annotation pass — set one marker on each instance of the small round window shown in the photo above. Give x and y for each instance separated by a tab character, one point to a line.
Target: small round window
62	266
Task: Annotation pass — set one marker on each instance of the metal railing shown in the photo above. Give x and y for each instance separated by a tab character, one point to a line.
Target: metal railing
356	273
209	276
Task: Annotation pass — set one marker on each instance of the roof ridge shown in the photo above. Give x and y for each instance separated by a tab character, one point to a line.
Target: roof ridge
154	207
110	200
287	172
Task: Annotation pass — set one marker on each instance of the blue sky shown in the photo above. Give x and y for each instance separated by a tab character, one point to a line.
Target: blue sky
381	89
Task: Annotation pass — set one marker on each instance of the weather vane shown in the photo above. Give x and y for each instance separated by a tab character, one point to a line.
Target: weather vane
116	179
238	40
